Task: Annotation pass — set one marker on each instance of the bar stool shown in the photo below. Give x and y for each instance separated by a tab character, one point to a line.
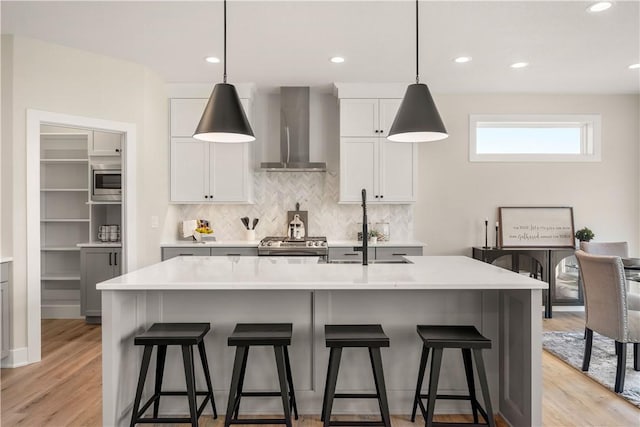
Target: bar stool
162	335
468	339
244	336
338	337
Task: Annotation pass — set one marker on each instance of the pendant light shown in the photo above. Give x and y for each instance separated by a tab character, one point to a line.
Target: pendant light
417	119
224	119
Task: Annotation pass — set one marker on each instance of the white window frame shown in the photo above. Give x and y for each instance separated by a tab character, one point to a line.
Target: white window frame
591	136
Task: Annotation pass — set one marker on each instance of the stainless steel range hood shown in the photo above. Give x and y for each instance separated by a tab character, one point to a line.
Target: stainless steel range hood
294	134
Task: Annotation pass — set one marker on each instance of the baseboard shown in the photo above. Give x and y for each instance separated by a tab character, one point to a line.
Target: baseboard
568	308
16	358
66	311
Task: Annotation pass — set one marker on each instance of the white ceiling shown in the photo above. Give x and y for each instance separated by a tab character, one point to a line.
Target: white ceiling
289	43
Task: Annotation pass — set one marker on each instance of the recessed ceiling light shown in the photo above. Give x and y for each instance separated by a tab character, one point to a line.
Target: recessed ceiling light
212	60
337	59
634	66
520	65
599	7
462	59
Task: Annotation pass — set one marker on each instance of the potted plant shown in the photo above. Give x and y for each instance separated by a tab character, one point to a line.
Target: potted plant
584	234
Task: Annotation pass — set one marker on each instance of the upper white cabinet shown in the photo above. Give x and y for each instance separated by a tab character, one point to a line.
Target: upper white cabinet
387	170
367	117
105	144
206	172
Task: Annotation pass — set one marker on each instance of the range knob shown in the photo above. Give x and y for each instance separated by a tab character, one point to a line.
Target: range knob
269	243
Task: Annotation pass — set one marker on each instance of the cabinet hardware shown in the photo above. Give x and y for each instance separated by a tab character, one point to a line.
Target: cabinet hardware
206	197
186	254
110	262
381	130
211	196
117	150
377	196
234	255
115	257
351	254
399	254
381	196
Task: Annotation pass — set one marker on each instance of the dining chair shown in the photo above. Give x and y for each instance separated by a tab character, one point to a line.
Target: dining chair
620	249
609	310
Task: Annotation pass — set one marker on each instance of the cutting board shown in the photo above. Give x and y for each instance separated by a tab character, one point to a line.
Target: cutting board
303	216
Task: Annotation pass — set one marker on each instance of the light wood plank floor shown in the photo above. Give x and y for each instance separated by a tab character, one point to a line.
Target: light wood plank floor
65	388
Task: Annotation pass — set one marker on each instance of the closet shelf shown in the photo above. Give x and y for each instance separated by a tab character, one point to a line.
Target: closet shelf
64	189
73	275
60	249
64	220
64	160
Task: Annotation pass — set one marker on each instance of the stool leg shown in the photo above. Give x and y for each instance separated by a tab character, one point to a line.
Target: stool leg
187	359
468	369
423	365
292	393
332	379
243	371
161	357
434	376
326	384
282	377
146	357
484	386
235	380
376	361
207	376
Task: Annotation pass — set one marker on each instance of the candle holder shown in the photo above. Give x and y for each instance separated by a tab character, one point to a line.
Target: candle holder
486	233
497	244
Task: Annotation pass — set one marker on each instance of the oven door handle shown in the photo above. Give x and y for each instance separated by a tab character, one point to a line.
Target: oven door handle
290	253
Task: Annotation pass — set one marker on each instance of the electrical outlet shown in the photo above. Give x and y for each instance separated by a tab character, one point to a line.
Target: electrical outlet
155	222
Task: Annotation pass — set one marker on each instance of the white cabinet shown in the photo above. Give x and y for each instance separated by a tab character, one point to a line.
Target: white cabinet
367	117
206	171
105	144
209	171
387	170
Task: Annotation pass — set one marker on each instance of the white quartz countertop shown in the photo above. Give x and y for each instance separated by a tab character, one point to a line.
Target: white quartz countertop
304	273
222	243
100	245
391	244
4	259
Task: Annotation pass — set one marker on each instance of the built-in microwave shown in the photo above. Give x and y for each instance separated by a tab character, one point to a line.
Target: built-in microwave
106	182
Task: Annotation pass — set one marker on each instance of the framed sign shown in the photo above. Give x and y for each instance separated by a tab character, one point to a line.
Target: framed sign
532	227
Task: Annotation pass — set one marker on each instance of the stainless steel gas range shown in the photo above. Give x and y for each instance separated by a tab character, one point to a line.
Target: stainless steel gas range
282	246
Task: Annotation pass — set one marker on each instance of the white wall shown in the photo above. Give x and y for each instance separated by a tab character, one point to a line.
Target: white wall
456	195
59	79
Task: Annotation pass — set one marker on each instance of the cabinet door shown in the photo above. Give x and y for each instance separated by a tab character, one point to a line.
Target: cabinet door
229	172
359	117
234	251
106	144
4	319
397	253
185	115
388	111
168	253
189	170
97	266
358	168
398	171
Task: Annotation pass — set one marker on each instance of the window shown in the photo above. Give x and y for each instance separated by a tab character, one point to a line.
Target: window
540	138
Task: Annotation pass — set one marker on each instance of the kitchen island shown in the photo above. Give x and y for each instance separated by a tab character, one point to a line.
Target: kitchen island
503	305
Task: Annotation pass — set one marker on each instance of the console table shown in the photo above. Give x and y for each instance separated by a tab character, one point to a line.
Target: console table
548	258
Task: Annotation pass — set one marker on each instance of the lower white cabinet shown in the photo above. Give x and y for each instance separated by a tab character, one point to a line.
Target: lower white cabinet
209	172
387	170
96	265
4	310
385	253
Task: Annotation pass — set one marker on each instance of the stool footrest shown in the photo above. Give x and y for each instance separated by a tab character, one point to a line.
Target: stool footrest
448	397
355	396
163	421
260	394
156	396
356	423
181	393
258	421
452	424
480	409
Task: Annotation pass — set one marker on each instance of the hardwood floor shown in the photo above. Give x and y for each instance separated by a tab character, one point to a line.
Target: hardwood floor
65	388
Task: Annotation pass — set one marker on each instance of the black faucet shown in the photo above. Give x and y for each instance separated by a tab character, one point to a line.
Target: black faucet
365	231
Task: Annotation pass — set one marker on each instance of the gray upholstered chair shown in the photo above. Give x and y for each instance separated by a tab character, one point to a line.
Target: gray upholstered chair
620	249
609	310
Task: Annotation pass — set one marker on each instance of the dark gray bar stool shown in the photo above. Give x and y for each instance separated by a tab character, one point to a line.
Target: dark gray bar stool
338	337
468	339
162	335
244	336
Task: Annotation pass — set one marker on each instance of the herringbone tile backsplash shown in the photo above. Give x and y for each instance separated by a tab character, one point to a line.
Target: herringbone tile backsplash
317	193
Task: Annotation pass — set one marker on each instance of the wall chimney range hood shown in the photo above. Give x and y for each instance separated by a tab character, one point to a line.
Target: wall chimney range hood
294	134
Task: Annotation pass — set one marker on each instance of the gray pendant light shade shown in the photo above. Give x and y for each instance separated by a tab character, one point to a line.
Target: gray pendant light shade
224	119
417	119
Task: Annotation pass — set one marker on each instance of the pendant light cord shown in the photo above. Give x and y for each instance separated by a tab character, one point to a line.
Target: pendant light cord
224	76
417	43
